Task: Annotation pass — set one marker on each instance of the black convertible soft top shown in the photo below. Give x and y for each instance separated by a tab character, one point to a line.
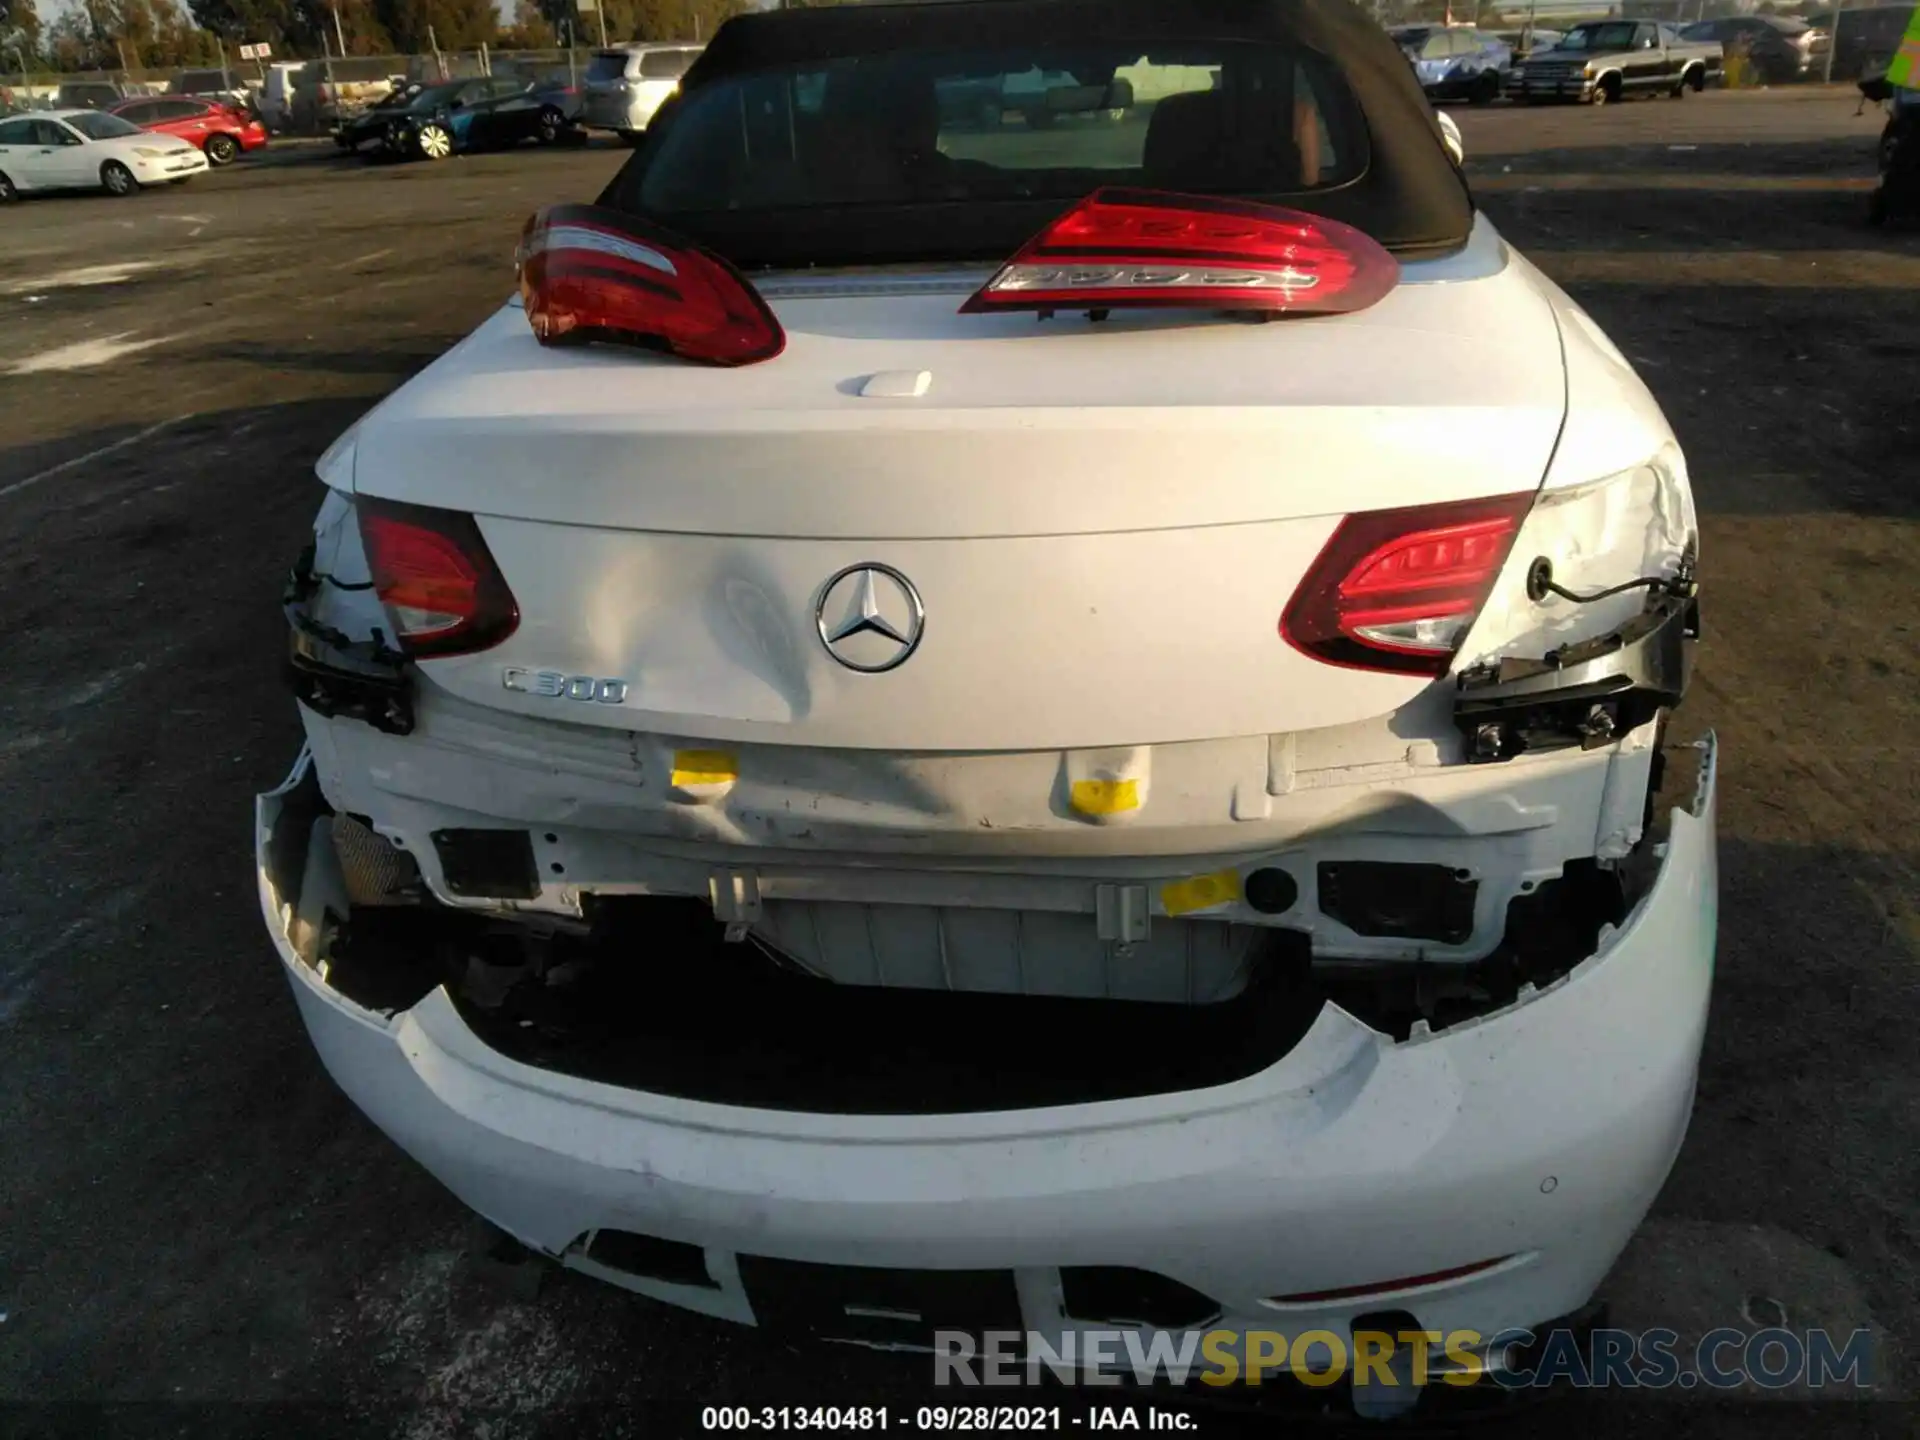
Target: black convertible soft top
1403	190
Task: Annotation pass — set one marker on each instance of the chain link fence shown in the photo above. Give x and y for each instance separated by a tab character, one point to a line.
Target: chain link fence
294	96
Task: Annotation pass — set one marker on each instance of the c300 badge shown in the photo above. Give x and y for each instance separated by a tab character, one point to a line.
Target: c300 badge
555	685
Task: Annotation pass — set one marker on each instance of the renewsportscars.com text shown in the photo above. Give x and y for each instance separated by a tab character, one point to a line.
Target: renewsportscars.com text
1773	1359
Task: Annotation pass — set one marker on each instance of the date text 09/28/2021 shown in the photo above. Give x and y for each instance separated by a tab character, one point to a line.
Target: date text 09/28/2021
940	1419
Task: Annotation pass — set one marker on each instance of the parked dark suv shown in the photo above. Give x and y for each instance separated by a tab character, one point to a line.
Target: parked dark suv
91	95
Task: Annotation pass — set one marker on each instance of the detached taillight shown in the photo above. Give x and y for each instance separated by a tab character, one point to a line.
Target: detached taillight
1131	248
1398	589
588	273
432	570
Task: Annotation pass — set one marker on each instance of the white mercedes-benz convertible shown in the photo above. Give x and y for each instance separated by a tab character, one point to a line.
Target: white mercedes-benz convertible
1025	686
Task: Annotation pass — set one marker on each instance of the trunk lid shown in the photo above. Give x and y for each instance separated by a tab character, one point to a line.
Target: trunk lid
1102	521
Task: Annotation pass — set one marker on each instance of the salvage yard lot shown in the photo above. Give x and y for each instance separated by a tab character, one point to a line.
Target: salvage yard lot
193	1214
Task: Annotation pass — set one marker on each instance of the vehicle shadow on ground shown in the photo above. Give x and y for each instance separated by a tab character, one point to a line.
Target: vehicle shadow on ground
1715	223
255	441
1786	400
1682	211
398	363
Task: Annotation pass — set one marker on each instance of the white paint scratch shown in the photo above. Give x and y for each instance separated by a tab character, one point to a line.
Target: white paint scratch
80	276
84	353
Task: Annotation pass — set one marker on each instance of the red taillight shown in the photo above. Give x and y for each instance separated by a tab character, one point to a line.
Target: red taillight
434	573
1397	589
1150	248
587	273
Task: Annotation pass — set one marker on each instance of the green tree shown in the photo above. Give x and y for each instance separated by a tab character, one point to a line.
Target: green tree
70	44
287	25
361	24
645	19
417	25
153	33
19	26
297	28
530	29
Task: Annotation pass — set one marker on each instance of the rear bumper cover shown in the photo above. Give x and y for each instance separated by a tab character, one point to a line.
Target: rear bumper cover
1541	1133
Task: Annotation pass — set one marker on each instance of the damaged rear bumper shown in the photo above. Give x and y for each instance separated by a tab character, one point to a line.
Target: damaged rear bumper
1534	1137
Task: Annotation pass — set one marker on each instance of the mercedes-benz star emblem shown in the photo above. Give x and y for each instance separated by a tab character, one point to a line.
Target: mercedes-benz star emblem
870	617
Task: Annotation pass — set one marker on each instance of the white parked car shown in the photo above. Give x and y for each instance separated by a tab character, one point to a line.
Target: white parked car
89	150
624	86
880	757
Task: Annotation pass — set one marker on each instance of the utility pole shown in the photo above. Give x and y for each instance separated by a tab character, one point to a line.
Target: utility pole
338	34
1833	40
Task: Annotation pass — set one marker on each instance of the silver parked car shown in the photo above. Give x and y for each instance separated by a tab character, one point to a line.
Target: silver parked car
626	84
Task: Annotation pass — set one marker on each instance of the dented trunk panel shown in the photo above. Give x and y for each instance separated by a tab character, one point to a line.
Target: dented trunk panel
1027	643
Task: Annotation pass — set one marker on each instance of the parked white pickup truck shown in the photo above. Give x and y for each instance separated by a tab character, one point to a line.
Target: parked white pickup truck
1604	61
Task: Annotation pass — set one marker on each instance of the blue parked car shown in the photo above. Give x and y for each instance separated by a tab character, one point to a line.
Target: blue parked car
488	112
1455	62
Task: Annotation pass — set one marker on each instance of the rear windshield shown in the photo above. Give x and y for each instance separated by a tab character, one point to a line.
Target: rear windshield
102	126
899	134
434	96
607	65
666	64
1598	38
1027	123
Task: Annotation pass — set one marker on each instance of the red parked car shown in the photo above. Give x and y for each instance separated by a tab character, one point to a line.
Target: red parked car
222	131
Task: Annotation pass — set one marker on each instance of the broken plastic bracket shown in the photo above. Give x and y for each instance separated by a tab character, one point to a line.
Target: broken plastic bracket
361	680
1121	913
334	675
1584	694
736	901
